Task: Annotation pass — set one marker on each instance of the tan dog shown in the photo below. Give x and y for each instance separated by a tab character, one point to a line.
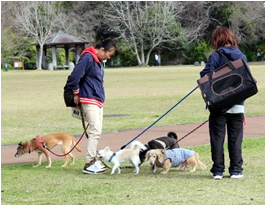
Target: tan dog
174	158
51	140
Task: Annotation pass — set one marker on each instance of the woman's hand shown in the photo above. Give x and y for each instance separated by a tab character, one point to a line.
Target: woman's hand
76	99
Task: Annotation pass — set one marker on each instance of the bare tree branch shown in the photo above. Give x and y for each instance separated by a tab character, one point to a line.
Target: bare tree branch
145	25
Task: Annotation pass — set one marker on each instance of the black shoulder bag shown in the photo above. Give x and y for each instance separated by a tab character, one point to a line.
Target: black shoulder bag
227	85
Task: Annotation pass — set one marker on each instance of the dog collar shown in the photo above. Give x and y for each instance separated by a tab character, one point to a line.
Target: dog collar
27	144
112	157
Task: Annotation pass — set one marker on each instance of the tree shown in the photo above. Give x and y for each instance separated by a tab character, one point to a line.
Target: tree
83	17
248	21
37	19
145	25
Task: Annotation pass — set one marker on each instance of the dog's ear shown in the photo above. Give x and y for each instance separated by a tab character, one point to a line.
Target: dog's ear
160	156
147	156
20	144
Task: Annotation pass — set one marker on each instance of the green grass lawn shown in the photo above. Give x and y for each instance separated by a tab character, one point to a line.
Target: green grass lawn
32	103
23	184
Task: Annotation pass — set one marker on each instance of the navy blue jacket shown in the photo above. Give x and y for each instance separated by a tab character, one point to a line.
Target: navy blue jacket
215	60
93	85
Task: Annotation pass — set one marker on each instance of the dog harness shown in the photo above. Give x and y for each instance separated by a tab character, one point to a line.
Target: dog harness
161	142
178	155
39	143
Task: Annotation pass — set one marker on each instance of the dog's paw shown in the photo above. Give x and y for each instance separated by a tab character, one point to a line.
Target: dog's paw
36	166
47	167
163	172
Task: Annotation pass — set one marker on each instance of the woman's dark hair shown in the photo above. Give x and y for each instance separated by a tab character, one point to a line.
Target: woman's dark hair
222	36
106	44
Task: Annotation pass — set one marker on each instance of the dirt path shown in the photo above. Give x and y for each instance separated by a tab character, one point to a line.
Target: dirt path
254	128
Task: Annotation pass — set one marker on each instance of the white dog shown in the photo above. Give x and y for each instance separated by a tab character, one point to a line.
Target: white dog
131	155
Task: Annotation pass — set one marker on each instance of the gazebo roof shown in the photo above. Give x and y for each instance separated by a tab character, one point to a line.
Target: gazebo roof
62	40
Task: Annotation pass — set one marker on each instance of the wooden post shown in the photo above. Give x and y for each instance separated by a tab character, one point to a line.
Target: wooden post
66	56
54	60
44	58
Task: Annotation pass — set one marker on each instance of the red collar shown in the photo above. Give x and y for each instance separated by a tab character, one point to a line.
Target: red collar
92	51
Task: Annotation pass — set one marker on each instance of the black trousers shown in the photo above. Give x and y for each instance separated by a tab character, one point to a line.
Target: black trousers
217	125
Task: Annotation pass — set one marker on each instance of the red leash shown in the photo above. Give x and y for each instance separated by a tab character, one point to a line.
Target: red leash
193	130
63	155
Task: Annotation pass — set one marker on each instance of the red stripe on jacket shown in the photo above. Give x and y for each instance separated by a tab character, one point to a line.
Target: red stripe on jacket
91	101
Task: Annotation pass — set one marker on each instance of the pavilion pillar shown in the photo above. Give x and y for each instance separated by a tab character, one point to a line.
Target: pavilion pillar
66	56
44	58
54	60
77	53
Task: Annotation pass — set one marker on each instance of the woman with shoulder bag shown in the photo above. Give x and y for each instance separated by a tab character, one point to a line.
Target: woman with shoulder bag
232	120
91	96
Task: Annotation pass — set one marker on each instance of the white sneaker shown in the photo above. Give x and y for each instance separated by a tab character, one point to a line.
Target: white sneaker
236	175
218	176
95	168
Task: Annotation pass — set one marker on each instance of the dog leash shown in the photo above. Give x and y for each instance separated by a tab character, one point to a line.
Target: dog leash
159	118
85	129
83	120
192	131
63	155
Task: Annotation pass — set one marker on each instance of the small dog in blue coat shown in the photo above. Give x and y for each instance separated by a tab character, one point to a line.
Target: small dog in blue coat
174	158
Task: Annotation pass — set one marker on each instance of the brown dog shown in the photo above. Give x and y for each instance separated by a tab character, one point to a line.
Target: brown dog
51	140
174	158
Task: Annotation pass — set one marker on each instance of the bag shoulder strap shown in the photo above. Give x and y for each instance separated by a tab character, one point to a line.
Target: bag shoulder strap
86	74
227	61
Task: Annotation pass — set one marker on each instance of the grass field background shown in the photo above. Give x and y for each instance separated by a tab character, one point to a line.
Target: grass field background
32	101
32	104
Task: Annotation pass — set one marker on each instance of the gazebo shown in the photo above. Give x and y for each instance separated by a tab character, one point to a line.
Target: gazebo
60	40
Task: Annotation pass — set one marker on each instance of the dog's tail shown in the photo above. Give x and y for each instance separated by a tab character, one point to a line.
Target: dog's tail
137	145
77	147
173	135
202	166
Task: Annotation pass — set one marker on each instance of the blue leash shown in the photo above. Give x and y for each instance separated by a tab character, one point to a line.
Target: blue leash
159	118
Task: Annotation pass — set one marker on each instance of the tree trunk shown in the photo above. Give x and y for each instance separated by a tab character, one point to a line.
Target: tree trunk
142	56
40	57
148	56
